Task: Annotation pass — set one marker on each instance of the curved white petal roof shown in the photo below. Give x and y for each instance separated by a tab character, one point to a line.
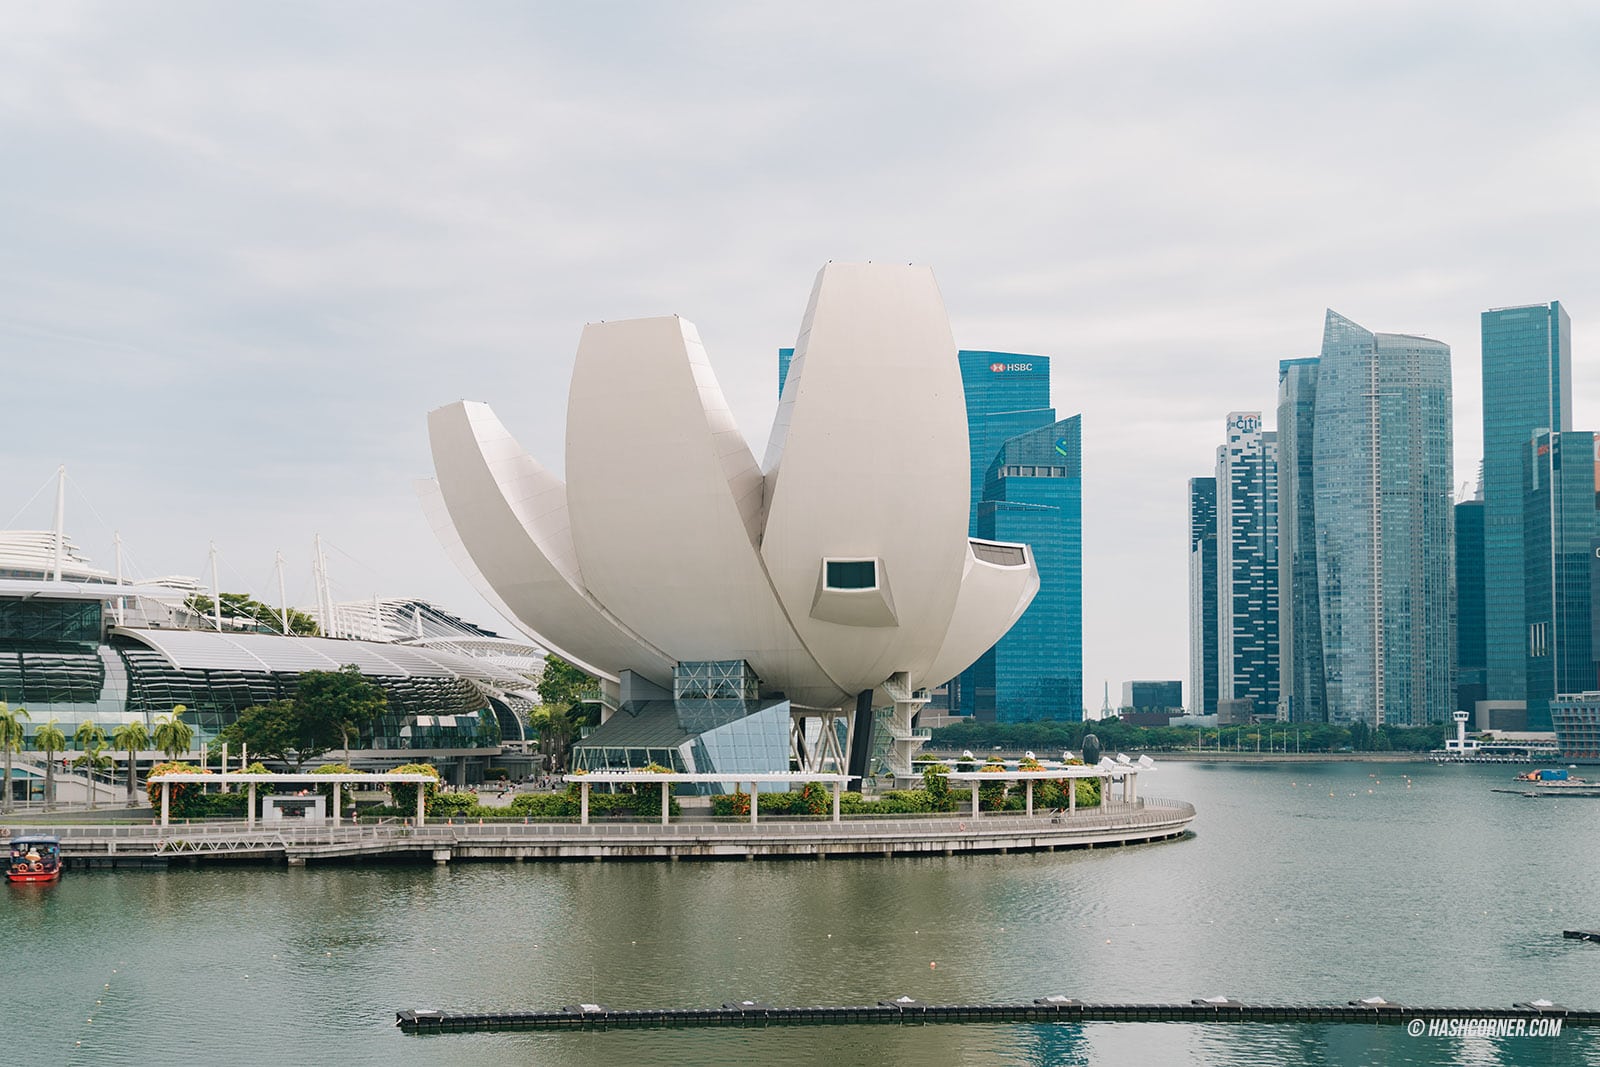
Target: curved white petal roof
511	515
843	564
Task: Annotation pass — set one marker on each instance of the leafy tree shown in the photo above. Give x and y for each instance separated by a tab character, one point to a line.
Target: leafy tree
12	733
259	616
49	739
130	737
172	735
337	705
561	685
1360	736
272	730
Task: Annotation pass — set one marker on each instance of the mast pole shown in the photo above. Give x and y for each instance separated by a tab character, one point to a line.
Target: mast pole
216	590
61	517
122	601
283	598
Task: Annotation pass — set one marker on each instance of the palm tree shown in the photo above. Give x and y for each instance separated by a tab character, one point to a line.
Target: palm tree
172	735
91	739
554	729
12	733
130	737
49	739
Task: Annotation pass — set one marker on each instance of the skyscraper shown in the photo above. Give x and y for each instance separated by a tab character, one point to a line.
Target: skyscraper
1303	688
1383	465
1007	394
1527	375
1471	647
1202	596
1559	537
1033	493
1247	564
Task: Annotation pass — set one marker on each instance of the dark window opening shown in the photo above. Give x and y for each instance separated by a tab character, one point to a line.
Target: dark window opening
852	574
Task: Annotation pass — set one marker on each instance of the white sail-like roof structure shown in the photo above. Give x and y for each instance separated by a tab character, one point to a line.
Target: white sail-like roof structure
839	565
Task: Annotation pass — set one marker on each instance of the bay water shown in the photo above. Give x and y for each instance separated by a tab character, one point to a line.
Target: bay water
1301	883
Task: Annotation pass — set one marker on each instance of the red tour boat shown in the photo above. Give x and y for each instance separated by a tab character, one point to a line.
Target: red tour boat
34	858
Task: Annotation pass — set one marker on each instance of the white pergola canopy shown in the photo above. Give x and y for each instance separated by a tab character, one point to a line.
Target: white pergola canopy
165	781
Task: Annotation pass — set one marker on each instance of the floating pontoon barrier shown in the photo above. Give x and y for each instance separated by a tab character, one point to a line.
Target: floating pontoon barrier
906	1009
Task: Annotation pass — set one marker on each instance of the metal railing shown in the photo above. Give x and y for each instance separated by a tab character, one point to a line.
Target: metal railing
229	835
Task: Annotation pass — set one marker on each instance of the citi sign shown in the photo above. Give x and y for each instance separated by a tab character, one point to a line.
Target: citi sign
1001	368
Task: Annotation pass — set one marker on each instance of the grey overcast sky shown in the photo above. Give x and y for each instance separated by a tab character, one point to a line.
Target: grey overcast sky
244	248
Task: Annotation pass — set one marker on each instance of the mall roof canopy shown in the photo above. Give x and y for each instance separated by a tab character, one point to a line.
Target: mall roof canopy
274	653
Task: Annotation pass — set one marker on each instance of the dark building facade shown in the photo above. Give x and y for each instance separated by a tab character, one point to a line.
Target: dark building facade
1471	645
1527	376
1247	564
1203	595
1303	686
1033	493
1559	538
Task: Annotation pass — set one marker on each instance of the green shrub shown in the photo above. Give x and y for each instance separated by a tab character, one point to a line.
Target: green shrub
936	780
543	806
451	805
215	806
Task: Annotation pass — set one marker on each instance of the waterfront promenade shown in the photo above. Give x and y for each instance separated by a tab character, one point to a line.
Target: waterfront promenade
1114	824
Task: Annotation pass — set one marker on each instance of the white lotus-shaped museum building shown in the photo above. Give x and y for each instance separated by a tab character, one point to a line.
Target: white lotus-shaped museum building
817	593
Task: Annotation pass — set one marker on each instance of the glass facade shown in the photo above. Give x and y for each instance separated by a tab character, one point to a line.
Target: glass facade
1527	376
1247	564
693	735
1302	690
1007	394
1383	468
1203	596
1152	696
1559	555
1576	720
1471	646
852	574
423	712
1033	493
714	679
55	662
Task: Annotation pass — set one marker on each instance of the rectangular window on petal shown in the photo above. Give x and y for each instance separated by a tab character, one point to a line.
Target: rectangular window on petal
852	574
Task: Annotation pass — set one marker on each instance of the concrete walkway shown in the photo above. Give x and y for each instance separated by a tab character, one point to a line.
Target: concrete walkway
693	838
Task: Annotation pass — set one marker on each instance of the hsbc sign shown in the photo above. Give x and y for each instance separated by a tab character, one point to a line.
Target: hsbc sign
1001	368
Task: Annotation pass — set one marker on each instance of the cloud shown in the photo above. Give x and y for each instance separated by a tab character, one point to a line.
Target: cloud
243	250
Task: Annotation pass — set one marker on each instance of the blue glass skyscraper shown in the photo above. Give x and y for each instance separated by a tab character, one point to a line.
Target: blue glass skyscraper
1033	493
1007	394
1382	465
1027	486
1527	376
1302	688
1559	554
1471	645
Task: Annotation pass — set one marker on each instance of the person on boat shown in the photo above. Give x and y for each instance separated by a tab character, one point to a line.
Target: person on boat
32	859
